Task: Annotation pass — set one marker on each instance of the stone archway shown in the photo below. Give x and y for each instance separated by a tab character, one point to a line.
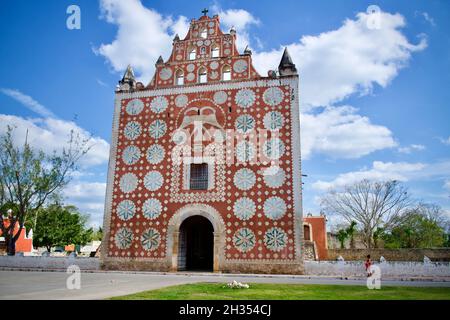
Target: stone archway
196	245
173	233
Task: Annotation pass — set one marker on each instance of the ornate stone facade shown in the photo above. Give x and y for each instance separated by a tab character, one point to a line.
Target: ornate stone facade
206	104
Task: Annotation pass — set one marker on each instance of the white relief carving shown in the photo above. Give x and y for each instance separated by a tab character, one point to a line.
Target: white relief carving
245	98
165	73
220	97
181	100
240	66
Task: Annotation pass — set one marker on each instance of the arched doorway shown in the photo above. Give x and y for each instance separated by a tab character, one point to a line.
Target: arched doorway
196	244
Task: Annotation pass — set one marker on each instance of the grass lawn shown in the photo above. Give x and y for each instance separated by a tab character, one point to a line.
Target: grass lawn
260	291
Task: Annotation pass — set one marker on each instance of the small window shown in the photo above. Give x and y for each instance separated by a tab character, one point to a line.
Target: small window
199	176
192	54
179	81
215	52
202	78
203	50
226	73
204	34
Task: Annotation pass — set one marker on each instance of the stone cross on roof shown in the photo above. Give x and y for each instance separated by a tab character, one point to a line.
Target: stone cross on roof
205	11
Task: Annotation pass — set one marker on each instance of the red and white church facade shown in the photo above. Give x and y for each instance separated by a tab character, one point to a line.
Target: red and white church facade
205	169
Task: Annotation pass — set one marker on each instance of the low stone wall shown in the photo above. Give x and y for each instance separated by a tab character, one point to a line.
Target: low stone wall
438	254
351	269
392	270
48	262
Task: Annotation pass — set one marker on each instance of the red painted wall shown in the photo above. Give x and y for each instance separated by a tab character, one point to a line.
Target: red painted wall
319	234
148	185
22	244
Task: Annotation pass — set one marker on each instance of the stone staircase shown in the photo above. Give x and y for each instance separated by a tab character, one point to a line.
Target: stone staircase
309	251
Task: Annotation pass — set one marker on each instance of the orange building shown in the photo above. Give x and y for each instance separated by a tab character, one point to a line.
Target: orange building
315	237
204	169
23	243
69	248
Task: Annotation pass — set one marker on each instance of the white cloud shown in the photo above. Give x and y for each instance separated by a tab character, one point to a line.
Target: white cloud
143	35
411	148
82	191
50	133
445	141
335	65
350	60
241	20
28	102
426	17
180	26
447	212
103	84
438	170
447	185
380	171
89	198
339	132
53	134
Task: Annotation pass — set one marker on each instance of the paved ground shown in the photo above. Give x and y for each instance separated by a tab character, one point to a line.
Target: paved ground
101	285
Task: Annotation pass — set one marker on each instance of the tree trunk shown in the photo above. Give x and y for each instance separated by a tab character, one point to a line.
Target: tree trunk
369	240
352	242
10	245
12	238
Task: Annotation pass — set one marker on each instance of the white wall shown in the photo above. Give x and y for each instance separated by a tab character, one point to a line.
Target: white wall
48	262
388	269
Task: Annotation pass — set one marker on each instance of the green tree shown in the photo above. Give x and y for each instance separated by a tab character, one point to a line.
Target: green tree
98	234
61	225
342	236
377	235
416	230
447	240
351	232
29	177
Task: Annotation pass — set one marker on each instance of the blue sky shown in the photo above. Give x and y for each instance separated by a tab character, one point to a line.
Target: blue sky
374	102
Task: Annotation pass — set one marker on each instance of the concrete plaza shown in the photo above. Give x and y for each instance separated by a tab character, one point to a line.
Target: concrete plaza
102	285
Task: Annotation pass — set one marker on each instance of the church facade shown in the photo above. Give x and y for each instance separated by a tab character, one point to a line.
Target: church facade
204	170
